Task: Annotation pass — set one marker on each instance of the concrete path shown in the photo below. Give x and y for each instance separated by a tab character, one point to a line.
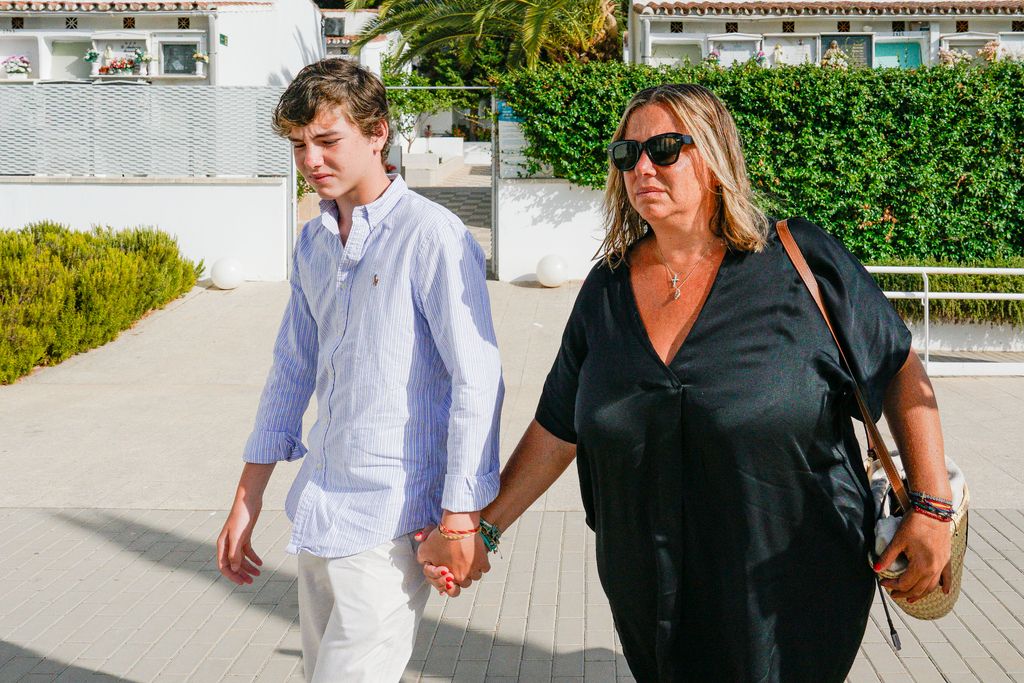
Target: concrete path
120	463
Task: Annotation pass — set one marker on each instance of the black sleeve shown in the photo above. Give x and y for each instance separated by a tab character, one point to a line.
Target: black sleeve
556	411
874	338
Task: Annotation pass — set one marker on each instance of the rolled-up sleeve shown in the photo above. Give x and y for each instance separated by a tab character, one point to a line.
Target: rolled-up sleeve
277	434
452	293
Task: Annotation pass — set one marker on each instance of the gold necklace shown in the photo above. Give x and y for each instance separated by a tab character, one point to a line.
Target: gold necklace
674	282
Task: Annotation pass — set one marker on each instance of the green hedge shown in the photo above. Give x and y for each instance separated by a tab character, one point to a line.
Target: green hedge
952	310
900	164
63	292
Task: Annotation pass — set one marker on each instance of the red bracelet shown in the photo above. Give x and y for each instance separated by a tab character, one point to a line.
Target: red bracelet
932	515
449	533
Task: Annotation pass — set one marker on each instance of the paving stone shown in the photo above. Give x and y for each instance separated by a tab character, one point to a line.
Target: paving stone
861	672
568	663
505	660
470	671
536	671
947	659
922	669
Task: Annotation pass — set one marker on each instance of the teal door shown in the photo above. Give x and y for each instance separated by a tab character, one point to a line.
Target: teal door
898	55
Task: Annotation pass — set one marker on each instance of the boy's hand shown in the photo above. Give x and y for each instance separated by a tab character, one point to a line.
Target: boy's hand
235	557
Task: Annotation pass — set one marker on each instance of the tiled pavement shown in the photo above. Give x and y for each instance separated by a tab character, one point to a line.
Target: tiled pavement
118	464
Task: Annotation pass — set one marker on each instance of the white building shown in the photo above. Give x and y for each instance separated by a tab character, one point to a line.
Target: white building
342	28
251	42
877	33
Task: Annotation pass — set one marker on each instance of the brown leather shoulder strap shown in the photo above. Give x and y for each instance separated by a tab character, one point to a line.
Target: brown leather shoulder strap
877	448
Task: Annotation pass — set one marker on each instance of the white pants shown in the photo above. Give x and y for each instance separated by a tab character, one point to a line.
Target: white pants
359	614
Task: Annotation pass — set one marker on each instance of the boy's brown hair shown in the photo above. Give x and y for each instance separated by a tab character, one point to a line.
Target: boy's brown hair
335	82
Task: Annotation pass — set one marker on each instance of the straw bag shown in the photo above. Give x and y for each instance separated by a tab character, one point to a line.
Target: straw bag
888	487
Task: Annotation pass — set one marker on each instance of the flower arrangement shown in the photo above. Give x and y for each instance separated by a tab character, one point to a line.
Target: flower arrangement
954	57
201	56
17	64
714	58
120	65
760	58
991	51
91	56
143	57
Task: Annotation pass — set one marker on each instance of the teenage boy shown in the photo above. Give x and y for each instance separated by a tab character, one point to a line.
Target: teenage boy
389	321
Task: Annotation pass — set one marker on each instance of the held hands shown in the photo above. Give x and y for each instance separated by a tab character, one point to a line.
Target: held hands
926	544
450	565
235	557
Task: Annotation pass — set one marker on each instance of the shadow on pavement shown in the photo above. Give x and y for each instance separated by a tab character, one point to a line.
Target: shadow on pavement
16	661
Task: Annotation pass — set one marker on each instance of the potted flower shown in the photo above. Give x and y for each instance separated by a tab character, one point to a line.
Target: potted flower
17	67
201	60
93	57
714	58
142	59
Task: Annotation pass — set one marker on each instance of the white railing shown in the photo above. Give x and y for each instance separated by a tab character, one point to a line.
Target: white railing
926	296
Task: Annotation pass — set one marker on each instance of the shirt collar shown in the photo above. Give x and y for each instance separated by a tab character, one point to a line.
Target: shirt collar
373	213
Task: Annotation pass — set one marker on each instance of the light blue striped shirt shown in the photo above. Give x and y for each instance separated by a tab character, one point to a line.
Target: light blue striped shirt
393	330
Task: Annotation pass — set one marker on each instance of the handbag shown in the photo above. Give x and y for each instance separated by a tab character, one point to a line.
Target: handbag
888	479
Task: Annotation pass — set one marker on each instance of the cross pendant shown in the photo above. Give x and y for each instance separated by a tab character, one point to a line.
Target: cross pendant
675	281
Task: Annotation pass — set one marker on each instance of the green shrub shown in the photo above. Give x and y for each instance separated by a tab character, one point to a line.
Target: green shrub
63	292
900	164
955	310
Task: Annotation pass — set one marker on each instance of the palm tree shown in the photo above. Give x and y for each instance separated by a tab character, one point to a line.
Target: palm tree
539	30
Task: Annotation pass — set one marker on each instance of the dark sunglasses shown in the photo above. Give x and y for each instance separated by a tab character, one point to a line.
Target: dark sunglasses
662	150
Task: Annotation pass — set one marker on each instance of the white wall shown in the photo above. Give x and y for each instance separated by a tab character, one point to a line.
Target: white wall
969	337
541	217
266	45
373	53
245	219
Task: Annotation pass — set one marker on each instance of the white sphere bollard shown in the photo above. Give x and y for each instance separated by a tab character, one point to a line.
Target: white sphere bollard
552	270
226	273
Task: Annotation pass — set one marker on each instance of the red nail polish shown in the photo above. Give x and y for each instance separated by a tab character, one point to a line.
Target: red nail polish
878	566
443	572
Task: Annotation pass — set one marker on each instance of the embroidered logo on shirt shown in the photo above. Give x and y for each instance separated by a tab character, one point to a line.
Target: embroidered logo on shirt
376	279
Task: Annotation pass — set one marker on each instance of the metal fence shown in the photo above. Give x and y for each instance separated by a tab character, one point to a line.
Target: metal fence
118	130
925	296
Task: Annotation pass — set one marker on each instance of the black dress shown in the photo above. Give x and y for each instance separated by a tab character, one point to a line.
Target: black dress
725	489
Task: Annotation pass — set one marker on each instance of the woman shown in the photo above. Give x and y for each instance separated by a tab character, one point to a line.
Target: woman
704	400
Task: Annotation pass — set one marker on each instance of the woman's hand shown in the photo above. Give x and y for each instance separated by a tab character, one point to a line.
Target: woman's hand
927	544
913	417
441	579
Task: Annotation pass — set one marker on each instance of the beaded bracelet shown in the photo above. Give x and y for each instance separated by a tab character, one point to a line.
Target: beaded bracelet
931	506
491	535
453	535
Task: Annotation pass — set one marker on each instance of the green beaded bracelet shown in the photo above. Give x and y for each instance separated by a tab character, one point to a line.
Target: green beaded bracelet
491	535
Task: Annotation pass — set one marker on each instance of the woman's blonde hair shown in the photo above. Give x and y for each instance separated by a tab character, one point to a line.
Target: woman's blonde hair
737	219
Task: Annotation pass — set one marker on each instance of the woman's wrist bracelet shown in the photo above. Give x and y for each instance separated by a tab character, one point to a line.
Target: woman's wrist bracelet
455	535
932	506
926	513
